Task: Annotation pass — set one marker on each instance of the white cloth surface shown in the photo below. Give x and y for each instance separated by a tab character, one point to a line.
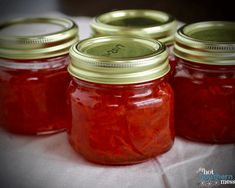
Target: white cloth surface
50	162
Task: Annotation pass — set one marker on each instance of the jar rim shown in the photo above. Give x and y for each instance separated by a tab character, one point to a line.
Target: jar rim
48	43
35	64
163	29
211	42
120	67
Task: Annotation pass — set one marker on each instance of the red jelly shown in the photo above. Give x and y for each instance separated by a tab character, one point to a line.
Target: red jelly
204	82
121	102
33	74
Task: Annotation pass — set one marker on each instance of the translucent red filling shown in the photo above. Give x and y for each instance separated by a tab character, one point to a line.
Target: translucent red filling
121	124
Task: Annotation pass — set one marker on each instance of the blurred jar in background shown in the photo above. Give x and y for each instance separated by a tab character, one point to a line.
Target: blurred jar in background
33	74
204	82
141	22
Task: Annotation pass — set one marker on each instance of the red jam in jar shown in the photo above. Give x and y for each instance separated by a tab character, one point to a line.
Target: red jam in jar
121	102
140	22
33	74
204	82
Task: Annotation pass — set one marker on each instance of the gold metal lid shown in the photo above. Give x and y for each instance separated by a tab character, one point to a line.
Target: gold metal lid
118	60
211	42
144	23
34	38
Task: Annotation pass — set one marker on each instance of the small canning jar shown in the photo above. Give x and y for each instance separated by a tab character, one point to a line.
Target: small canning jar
33	74
121	102
141	22
204	82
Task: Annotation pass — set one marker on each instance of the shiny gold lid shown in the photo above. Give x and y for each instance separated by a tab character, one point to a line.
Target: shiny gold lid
34	38
118	60
211	42
144	23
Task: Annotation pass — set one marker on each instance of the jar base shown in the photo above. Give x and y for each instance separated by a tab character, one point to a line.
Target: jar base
116	163
50	132
203	141
39	133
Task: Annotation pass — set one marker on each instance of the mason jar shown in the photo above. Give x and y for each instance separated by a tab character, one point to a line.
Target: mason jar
204	82
121	102
33	74
138	22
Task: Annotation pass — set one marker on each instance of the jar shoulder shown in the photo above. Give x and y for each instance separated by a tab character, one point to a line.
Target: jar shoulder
145	95
198	71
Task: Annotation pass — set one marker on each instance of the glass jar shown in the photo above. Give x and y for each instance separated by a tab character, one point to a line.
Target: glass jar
33	74
141	22
204	82
121	102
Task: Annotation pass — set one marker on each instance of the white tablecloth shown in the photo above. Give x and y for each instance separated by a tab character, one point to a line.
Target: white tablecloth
50	162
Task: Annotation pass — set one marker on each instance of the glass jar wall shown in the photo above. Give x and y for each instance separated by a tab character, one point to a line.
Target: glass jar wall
204	82
121	102
33	74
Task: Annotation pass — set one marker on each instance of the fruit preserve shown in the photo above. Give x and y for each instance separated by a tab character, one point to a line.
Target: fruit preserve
33	74
141	22
121	102
204	82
